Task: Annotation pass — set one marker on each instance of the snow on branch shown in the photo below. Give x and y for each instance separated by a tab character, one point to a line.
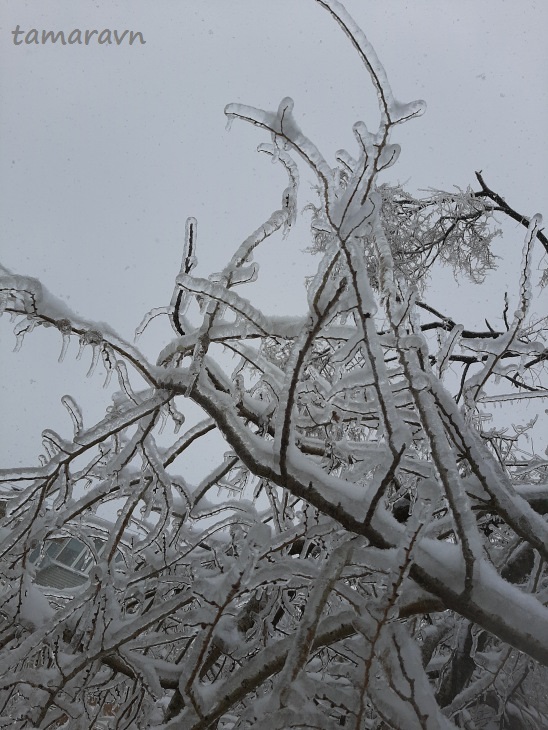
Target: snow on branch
333	540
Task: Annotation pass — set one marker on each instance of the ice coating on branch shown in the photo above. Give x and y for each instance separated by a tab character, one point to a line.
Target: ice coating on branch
189	252
239	601
54	443
23	290
347	161
123	380
245	251
492	477
283	125
320	290
147	319
240	275
35	608
525	278
392	111
389	156
289	196
472	389
28	296
447	348
220	295
23	327
115	422
400	112
364	292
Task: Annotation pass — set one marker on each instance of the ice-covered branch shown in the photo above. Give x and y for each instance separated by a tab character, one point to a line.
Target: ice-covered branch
332	540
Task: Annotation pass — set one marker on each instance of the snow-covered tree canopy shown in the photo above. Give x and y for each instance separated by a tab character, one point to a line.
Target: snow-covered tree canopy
366	553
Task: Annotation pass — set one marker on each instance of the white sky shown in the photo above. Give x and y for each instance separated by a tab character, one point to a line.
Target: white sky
106	150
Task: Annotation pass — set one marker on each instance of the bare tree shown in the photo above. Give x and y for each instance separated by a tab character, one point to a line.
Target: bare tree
375	556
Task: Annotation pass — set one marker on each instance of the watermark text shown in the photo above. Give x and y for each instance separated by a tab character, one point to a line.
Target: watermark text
76	37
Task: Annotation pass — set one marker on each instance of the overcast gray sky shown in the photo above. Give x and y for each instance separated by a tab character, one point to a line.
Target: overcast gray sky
105	150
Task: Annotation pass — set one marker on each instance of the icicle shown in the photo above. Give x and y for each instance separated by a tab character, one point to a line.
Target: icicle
64	347
108	363
95	339
19	341
94	360
202	303
74	412
162	420
90	337
27	324
65	491
65	328
177	417
239	368
239	388
123	379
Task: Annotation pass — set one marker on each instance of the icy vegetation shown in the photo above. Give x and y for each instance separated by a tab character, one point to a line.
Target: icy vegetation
365	554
